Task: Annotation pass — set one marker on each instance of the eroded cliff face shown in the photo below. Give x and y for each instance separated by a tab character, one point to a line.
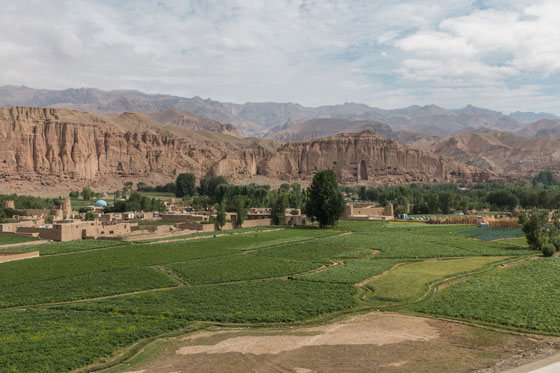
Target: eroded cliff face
39	144
367	158
44	141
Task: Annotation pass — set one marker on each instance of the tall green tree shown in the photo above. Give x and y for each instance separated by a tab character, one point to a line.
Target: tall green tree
278	209
221	215
534	228
325	201
240	203
87	193
185	185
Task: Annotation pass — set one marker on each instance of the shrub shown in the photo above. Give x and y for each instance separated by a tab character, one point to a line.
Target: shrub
548	250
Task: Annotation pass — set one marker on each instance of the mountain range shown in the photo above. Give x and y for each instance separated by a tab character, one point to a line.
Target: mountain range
80	136
267	118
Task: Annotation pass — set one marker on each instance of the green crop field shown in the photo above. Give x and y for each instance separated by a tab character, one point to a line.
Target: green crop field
526	295
67	247
521	241
487	234
352	271
79	203
237	268
83	286
82	302
60	340
8	240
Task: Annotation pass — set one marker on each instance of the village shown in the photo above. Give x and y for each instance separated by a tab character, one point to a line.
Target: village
63	224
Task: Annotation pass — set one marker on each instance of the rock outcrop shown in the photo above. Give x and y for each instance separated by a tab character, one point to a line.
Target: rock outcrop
368	158
189	121
500	152
45	141
40	144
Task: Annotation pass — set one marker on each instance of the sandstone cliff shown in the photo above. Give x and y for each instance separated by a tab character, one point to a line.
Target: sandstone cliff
54	147
501	152
64	143
367	158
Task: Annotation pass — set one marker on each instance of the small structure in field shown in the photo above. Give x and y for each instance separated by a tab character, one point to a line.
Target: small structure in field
368	212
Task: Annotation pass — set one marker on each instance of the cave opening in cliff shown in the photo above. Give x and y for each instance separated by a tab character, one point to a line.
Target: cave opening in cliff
363	170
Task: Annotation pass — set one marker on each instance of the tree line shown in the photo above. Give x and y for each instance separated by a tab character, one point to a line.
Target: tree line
541	192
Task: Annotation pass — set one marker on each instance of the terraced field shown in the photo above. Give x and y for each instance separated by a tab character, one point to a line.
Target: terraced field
82	303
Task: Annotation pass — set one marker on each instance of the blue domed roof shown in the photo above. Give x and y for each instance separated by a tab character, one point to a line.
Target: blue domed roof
101	203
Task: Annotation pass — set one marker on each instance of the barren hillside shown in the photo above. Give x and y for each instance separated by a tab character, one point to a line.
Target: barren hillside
54	147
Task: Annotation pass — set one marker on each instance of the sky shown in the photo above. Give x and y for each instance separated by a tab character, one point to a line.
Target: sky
498	54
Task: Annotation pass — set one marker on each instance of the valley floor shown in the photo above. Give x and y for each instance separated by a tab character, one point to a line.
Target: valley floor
367	296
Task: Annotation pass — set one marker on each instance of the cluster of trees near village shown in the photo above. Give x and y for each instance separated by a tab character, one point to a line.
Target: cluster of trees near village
216	191
324	199
540	192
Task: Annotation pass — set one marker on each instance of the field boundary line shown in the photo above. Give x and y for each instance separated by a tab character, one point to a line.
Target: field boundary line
87	250
206	236
53	304
172	275
26	243
363	283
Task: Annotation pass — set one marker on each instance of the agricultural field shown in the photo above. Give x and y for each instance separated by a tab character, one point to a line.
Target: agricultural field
84	302
207	234
52	248
80	203
8	240
526	295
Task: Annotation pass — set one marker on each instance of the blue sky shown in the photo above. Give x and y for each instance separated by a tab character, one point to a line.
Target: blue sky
503	55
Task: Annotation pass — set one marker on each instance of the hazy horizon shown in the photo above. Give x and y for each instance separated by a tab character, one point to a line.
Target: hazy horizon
500	55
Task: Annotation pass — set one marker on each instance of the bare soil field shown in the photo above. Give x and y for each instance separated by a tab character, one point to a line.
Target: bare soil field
372	342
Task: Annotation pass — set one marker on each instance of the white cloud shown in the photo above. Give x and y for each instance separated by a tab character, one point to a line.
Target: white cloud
309	51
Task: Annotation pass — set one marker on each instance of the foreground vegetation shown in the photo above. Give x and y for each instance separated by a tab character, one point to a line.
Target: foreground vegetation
526	295
60	312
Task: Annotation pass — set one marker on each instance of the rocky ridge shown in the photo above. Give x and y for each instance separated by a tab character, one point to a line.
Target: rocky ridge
42	143
501	152
367	158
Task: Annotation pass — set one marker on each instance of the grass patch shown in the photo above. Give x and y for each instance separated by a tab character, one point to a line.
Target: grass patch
8	240
410	281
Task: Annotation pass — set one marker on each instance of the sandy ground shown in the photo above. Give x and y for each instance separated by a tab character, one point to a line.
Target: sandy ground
375	342
361	330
